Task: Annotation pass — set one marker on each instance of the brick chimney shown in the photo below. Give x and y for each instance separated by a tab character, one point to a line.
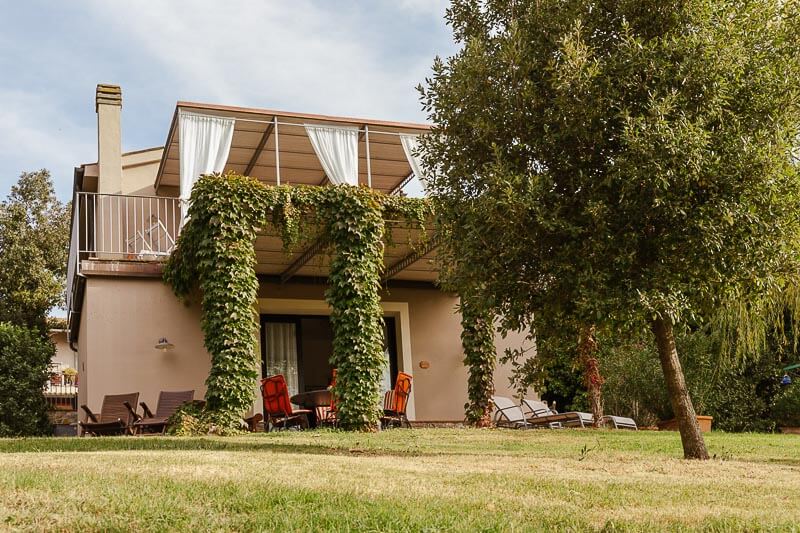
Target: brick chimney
108	105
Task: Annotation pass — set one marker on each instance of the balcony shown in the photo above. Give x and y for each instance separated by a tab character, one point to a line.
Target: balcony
115	227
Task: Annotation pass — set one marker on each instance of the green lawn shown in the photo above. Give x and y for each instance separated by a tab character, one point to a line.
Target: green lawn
433	479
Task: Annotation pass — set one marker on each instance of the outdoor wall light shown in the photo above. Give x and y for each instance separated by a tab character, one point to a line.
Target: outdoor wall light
424	364
164	345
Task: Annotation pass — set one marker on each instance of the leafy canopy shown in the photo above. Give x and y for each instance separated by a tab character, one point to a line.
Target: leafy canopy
617	160
34	241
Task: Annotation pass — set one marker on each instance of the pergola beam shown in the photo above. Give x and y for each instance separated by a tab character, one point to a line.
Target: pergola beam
411	258
301	261
402	184
261	144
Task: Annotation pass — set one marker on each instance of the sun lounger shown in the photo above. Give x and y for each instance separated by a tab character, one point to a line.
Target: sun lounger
116	416
507	413
168	403
539	413
620	422
539	409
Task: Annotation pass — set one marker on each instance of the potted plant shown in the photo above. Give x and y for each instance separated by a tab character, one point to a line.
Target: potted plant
69	375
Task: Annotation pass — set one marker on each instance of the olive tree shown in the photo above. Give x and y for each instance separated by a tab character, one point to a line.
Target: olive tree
618	162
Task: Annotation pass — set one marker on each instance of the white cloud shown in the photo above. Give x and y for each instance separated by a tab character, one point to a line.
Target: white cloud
427	7
297	55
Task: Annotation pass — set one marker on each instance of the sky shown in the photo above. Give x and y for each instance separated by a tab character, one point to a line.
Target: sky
360	58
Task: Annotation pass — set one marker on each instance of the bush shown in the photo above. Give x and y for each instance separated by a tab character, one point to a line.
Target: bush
24	357
634	384
786	409
192	419
739	395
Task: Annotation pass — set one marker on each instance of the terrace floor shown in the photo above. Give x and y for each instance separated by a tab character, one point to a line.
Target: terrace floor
404	480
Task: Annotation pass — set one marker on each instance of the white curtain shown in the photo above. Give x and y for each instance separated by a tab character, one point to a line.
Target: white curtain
281	351
411	148
337	150
205	142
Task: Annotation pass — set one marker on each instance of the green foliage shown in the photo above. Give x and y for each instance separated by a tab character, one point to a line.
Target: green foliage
786	409
621	163
477	339
216	253
192	419
618	162
24	356
215	250
355	225
34	240
740	395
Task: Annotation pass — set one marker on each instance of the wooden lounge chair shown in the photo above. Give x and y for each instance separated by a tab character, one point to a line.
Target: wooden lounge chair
116	416
395	402
278	410
168	403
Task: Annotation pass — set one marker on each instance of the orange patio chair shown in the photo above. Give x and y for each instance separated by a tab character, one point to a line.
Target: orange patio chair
395	402
278	410
326	414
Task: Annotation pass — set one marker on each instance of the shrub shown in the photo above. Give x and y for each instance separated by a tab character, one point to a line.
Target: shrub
24	356
193	420
738	394
786	409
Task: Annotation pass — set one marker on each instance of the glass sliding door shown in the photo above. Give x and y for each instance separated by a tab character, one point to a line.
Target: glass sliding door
300	348
279	341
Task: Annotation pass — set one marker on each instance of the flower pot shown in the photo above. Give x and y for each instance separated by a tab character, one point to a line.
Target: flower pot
672	425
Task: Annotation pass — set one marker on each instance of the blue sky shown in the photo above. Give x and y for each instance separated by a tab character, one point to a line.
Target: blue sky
348	57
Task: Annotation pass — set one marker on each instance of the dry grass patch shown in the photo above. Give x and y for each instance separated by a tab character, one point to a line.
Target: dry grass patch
401	480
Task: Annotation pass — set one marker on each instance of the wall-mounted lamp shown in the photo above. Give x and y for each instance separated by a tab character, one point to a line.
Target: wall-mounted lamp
424	364
164	345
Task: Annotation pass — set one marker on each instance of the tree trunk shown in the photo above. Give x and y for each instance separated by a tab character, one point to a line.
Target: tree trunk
694	447
587	350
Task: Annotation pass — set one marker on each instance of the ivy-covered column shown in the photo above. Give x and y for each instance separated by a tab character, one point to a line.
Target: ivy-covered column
216	251
355	227
480	356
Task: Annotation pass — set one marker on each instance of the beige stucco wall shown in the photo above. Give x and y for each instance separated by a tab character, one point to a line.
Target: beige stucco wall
139	171
123	319
64	355
440	390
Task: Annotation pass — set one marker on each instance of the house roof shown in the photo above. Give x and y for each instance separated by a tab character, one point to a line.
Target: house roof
254	139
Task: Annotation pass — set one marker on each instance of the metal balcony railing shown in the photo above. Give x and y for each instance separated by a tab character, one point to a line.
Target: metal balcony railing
120	227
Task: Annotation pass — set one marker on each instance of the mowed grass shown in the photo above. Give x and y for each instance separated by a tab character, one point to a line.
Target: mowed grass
401	480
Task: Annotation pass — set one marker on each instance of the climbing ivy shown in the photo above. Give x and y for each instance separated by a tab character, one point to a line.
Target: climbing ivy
216	253
477	339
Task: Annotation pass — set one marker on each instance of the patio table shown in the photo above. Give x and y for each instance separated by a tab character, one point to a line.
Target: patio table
311	400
